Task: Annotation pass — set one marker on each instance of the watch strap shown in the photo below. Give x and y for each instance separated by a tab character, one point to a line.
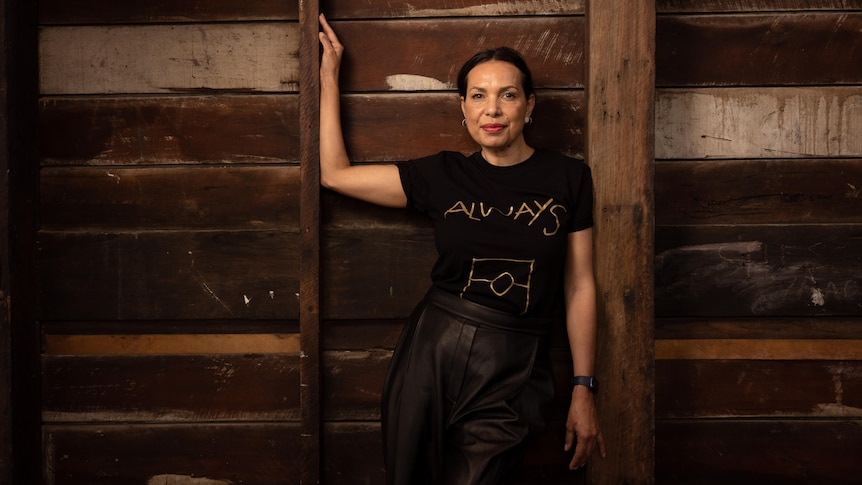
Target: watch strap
589	381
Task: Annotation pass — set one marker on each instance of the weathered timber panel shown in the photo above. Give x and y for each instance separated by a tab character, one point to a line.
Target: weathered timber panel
223	387
165	130
238	274
759	50
723	388
118	198
170	388
170	343
399	127
265	128
449	8
58	12
253	454
106	11
397	57
759	192
804	122
375	273
818	327
754	5
757	451
164	58
798	270
168	275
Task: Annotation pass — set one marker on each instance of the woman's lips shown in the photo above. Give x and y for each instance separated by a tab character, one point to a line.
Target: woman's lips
493	128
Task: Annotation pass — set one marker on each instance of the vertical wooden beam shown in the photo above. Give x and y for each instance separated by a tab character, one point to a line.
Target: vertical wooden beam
5	330
20	334
620	92
309	288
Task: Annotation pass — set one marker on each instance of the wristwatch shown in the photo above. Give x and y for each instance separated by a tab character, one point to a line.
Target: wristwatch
589	381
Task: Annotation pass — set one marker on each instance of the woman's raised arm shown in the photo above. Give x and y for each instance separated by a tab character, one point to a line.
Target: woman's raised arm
378	184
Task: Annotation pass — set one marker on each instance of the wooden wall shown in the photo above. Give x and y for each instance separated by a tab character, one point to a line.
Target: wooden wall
170	247
759	242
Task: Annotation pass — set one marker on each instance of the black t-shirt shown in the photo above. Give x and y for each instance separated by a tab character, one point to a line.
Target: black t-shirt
501	232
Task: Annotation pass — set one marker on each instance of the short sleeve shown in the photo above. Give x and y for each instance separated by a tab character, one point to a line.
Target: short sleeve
416	180
582	195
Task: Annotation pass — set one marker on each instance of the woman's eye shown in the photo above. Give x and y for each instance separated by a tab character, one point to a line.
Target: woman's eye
509	95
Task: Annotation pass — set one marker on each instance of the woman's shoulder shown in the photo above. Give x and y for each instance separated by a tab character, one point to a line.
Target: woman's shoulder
561	160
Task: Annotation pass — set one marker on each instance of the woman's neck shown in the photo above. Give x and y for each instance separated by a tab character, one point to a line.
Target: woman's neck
508	156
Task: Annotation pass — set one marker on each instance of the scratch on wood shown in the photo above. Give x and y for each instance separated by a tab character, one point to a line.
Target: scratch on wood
168	479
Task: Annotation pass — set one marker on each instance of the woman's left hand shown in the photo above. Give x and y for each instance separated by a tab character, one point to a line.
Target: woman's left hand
582	425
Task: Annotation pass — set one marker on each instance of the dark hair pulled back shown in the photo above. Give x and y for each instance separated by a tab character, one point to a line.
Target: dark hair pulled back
505	54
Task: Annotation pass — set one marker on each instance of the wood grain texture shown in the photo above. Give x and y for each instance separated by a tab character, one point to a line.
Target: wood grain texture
778	389
666	6
620	92
163	59
396	57
173	343
801	191
310	373
60	12
757	451
449	8
169	130
168	275
162	198
815	327
265	128
759	349
759	49
733	123
767	271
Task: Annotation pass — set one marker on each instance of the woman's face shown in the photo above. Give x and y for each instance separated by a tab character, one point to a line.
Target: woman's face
496	105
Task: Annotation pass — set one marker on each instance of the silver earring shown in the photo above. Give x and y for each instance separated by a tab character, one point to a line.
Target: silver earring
528	120
464	123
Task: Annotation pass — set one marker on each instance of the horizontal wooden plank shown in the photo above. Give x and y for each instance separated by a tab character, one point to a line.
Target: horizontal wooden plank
722	451
416	125
815	191
168	275
169	130
119	198
817	327
784	388
170	344
166	59
253	386
105	11
738	123
170	388
763	270
77	12
775	49
375	273
760	349
666	6
220	454
552	46
253	454
138	131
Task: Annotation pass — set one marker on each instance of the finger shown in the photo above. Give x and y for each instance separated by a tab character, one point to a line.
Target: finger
579	458
570	439
328	30
601	440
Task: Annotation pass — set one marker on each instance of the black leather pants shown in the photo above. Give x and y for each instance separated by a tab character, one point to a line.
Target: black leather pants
466	386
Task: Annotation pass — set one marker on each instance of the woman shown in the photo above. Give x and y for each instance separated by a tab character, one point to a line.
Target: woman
470	378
